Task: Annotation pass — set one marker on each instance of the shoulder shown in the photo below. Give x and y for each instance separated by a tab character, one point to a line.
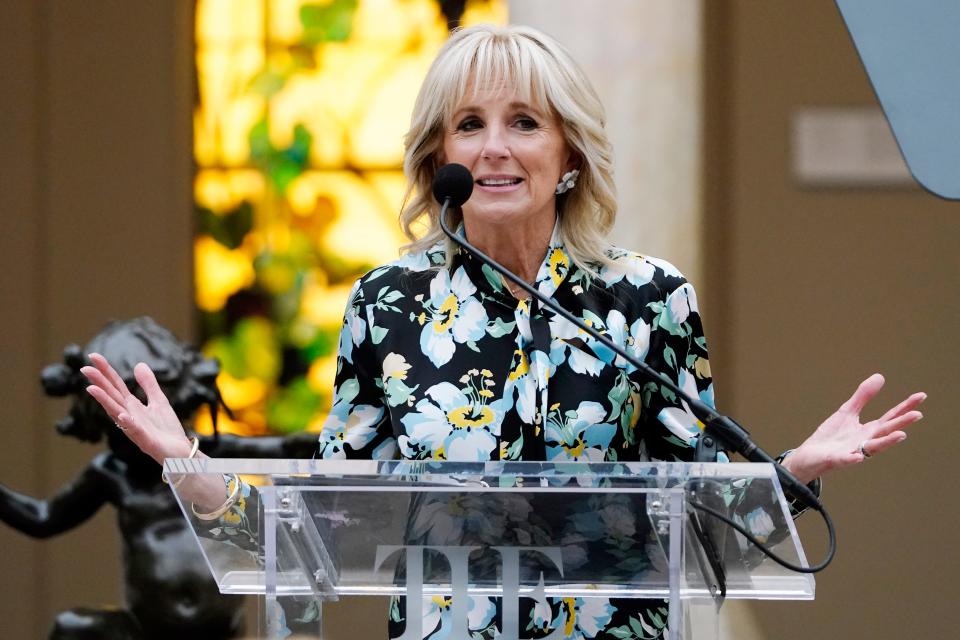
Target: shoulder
639	271
398	274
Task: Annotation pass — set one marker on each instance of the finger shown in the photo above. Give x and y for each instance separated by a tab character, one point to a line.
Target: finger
909	404
110	406
864	393
879	445
148	382
98	379
897	424
110	374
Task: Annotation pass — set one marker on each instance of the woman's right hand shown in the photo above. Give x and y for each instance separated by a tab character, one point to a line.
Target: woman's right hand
153	427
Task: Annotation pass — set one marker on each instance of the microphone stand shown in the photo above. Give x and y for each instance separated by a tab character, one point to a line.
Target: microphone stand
718	428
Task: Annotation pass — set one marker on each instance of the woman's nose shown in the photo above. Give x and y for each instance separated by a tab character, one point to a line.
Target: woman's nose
495	144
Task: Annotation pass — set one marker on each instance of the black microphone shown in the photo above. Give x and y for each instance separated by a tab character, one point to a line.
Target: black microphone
453	185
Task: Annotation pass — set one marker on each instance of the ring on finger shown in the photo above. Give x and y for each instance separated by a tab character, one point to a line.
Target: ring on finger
862	449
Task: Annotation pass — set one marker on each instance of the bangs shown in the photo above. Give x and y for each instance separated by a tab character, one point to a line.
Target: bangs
499	64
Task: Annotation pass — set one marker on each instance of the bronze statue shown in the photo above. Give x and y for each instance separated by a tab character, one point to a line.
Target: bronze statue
169	591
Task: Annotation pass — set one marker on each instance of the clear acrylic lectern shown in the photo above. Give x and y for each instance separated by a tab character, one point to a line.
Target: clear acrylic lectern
321	530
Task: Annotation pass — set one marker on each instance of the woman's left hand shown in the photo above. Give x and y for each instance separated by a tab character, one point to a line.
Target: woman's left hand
842	441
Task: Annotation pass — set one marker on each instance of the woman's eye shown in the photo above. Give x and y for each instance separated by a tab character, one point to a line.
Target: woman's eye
470	124
526	123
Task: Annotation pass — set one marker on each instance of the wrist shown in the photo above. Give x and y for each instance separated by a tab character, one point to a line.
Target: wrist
794	461
181	448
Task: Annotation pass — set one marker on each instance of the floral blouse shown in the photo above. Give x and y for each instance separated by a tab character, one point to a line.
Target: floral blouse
443	363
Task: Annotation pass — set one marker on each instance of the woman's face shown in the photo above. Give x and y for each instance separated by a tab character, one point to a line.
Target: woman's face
516	153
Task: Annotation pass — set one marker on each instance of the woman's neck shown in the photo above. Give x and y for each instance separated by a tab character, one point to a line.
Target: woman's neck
521	249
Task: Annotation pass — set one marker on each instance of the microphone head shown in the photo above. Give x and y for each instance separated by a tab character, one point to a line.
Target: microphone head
453	181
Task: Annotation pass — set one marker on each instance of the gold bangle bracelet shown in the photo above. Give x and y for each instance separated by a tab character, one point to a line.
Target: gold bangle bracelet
222	509
194	447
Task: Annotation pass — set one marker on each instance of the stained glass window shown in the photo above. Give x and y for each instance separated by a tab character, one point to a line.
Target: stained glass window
298	129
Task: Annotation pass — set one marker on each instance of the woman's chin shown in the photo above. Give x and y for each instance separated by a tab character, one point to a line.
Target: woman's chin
502	217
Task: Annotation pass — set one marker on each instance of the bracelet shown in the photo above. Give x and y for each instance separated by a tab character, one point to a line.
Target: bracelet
226	506
193	451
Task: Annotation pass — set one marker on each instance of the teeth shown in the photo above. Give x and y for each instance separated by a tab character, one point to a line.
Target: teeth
499	182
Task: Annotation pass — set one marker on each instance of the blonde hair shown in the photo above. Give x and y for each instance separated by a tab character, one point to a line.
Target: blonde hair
545	75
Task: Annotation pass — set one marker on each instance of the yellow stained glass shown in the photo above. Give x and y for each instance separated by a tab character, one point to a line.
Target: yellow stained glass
298	131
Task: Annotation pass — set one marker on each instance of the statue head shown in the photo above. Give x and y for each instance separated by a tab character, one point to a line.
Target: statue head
187	377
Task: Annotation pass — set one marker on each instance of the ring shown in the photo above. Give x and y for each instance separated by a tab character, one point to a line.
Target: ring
863	451
119	426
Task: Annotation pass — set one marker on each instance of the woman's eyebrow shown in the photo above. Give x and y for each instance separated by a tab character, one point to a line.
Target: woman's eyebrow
526	106
467	109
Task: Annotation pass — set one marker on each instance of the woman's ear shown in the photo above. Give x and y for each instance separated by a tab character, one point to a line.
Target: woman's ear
574	162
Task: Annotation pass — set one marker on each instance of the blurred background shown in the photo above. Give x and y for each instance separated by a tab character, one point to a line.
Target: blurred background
229	167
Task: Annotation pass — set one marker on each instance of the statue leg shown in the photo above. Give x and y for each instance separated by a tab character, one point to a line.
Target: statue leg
95	624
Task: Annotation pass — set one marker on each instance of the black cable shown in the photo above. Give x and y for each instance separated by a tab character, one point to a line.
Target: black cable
765	549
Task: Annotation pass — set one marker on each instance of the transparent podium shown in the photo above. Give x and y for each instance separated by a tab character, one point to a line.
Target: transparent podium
537	543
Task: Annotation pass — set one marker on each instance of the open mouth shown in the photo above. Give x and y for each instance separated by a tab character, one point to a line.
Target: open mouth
499	182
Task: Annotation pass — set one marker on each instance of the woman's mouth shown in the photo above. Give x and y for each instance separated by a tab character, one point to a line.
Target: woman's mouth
499	182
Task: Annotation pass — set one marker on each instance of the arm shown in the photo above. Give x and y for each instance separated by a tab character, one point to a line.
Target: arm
359	422
72	505
677	350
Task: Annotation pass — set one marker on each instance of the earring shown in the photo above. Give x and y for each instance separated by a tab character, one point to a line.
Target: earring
567	181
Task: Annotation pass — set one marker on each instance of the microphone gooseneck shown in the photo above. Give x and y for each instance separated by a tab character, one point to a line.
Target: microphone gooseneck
453	186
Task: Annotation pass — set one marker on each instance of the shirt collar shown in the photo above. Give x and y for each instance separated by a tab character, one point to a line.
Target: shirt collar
552	272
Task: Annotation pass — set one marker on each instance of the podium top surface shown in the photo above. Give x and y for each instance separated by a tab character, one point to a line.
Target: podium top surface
588	474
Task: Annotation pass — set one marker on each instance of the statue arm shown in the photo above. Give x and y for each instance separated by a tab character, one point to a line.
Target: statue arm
299	445
72	505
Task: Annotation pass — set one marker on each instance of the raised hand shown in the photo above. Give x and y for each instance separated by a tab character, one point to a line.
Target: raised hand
153	427
842	440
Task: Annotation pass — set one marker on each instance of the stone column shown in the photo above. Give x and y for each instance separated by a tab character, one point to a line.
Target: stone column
644	60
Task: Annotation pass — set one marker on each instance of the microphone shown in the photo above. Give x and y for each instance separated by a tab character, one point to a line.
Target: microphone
453	185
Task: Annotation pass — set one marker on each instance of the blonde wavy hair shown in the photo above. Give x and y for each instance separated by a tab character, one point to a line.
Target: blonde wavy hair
543	74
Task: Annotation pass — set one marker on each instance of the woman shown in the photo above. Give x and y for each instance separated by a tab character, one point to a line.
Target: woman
441	358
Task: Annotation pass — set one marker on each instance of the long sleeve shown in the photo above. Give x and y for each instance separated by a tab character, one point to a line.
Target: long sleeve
358	425
677	350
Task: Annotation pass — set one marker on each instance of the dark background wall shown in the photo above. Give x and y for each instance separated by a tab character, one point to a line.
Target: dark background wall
807	291
95	199
810	291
